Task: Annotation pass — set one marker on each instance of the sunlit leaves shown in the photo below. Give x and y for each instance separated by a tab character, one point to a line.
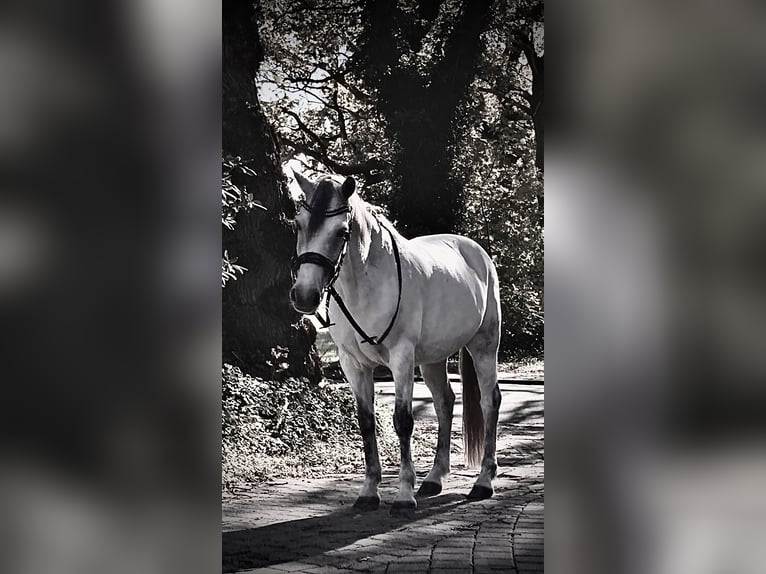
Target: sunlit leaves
233	197
229	270
496	162
306	75
233	200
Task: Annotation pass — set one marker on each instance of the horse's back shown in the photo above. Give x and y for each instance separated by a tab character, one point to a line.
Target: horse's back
456	254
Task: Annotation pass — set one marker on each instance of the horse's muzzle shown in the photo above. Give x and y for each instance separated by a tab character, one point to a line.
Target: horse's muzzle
305	301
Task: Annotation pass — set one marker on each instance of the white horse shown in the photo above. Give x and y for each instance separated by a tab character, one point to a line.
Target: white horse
402	303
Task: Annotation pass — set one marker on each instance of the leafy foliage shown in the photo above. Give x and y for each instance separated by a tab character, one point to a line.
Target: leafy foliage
320	109
233	195
287	417
419	58
498	163
289	427
229	269
234	198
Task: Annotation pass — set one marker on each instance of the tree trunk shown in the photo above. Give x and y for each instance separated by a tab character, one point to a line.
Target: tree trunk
261	331
421	109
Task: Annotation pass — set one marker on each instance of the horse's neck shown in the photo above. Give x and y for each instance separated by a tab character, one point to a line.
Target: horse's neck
368	250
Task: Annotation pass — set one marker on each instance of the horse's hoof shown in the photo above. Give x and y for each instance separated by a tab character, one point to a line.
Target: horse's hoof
479	492
428	488
367	503
404	508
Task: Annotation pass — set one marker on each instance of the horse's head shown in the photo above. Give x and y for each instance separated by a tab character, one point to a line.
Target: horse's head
322	227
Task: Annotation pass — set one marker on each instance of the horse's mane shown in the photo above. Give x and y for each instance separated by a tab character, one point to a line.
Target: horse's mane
370	218
374	210
378	213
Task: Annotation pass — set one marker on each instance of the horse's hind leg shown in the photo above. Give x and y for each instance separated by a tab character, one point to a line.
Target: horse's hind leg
362	386
435	376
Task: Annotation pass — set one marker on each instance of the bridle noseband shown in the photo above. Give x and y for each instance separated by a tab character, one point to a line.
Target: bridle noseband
334	268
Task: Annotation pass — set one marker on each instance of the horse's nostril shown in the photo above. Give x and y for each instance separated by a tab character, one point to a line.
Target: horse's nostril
292	294
314	299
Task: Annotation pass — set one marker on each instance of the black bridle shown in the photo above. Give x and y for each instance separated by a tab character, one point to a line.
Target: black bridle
322	260
334	268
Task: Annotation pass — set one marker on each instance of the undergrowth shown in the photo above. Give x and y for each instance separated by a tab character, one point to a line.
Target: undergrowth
290	428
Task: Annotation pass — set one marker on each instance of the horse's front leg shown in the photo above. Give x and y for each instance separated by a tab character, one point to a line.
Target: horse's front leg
362	386
402	367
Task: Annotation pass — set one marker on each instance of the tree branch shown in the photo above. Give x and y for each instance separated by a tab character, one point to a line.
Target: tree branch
341	118
533	59
338	76
308	131
359	168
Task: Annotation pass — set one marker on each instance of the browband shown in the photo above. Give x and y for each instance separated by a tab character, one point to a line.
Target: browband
330	213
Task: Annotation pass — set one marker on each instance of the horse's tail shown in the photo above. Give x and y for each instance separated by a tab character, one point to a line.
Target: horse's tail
473	419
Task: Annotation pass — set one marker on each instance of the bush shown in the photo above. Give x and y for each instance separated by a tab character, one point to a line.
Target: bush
289	428
282	426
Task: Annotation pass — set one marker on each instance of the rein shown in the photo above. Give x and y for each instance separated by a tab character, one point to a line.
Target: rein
334	268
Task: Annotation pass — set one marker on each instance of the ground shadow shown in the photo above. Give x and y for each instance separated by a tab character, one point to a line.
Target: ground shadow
300	539
423	407
525	412
528	388
522	454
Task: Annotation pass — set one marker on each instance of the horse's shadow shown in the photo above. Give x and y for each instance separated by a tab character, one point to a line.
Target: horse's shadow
300	539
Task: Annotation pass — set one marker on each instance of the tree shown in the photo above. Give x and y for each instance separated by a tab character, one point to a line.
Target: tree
261	332
420	60
320	107
437	107
499	160
513	66
328	61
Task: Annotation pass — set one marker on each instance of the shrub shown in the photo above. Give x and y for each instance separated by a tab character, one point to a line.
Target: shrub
289	428
289	419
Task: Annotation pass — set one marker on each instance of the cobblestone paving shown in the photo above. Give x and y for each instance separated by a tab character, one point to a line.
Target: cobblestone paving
310	525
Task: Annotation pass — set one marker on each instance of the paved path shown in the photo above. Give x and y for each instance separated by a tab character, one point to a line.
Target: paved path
310	525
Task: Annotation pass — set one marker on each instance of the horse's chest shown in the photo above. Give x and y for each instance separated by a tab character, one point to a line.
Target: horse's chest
364	353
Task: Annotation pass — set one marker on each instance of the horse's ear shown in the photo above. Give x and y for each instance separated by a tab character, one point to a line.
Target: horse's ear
306	185
349	186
